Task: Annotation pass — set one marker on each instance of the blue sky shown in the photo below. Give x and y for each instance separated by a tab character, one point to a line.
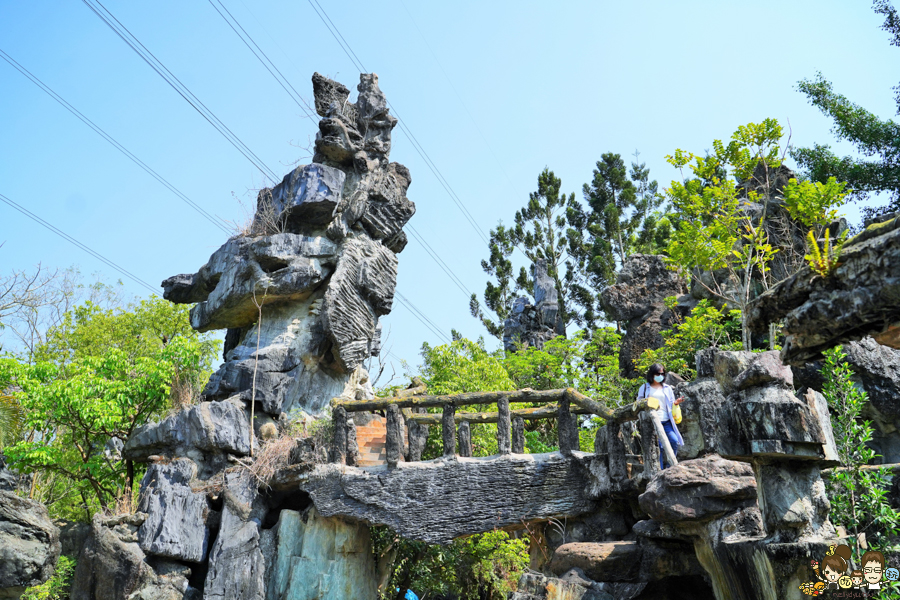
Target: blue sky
493	91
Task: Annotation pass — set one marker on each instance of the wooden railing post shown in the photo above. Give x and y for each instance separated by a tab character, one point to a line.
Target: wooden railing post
418	435
448	430
352	443
503	445
339	446
649	446
465	439
568	431
616	452
394	435
518	435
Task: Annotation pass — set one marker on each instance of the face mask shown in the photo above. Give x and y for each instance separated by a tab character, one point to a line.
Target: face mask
659	378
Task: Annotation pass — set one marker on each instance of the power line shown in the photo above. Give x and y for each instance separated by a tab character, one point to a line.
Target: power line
267	63
420	316
285	84
458	97
72	240
178	86
345	46
112	141
444	266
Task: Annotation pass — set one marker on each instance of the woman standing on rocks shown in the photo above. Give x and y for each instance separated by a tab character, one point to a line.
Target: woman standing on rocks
655	388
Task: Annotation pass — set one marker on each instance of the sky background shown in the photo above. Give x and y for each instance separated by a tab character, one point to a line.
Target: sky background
493	91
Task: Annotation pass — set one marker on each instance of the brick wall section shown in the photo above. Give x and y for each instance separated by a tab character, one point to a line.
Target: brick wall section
371	439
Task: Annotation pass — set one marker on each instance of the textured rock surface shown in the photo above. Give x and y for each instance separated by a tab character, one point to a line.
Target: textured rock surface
699	489
319	258
29	544
861	297
637	299
533	324
176	525
236	564
441	500
315	558
603	561
208	427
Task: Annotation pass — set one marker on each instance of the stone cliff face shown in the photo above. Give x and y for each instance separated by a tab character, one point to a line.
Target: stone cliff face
320	259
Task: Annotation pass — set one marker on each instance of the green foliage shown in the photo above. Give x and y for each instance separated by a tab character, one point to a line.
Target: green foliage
858	496
814	203
100	375
57	587
463	366
624	215
12	420
539	232
825	260
707	327
479	567
714	232
877	140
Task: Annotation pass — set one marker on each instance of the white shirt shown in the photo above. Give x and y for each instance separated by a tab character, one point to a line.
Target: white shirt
660	394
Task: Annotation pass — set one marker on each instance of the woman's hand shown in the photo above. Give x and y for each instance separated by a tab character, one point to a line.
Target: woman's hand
679	400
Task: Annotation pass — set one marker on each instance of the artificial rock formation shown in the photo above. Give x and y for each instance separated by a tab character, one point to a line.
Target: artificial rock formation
861	297
29	544
301	292
534	324
637	299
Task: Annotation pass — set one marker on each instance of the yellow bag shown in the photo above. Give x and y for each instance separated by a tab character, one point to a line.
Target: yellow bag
676	414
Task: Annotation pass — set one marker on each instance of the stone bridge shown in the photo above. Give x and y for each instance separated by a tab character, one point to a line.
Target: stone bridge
747	495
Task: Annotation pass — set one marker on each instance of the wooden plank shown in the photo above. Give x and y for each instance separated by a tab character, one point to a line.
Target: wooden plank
547	411
466	399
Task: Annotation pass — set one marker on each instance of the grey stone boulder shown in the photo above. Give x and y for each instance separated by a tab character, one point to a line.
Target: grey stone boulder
642	284
728	365
387	207
699	489
600	561
208	427
247	271
765	369
72	536
307	196
861	297
637	299
29	544
176	525
236	563
112	566
780	425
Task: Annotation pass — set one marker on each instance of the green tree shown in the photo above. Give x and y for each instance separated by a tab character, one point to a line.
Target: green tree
877	140
623	216
858	493
101	374
540	231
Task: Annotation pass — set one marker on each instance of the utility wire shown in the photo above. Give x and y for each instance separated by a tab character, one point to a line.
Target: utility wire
265	61
345	46
421	316
285	84
72	240
436	257
112	141
107	17
458	97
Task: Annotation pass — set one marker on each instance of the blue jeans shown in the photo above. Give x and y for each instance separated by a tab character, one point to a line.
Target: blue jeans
673	441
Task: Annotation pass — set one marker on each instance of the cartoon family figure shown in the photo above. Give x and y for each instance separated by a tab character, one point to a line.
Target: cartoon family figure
833	572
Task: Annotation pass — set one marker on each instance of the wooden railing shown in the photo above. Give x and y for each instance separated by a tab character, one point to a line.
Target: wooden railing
561	404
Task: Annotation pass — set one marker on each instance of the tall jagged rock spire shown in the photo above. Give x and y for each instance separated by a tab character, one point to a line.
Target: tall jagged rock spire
320	258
